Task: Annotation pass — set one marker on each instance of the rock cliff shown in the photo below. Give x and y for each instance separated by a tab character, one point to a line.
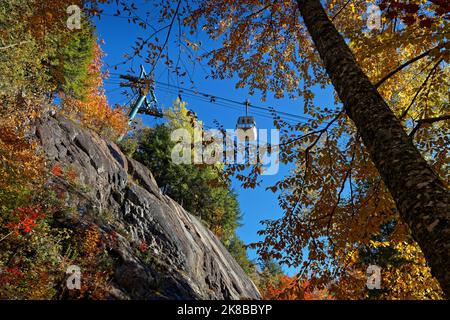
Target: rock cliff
188	261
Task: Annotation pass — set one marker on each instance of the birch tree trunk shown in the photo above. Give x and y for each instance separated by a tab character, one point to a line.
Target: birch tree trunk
422	198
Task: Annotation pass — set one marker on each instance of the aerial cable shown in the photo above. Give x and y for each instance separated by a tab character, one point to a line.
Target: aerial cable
213	99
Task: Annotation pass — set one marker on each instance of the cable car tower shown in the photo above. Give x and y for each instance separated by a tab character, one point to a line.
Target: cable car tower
142	86
246	125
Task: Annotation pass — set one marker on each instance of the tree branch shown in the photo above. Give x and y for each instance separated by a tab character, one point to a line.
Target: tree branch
405	112
259	11
403	169
14	45
427	120
339	197
407	63
341	9
167	37
313	132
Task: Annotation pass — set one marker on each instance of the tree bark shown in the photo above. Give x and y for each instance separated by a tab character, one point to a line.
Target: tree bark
422	198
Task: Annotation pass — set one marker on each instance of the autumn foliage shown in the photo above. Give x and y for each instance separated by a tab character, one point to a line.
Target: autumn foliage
35	65
19	161
287	288
94	111
24	220
337	210
335	202
94	264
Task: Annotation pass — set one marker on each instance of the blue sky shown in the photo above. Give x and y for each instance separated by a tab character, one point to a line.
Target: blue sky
256	204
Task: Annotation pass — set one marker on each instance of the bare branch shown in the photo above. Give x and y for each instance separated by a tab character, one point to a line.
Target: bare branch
141	46
167	36
321	131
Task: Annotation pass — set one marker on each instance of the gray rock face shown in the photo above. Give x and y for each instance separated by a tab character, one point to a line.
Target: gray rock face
188	261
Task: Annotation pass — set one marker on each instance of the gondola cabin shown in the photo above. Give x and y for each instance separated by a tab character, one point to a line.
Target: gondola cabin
246	128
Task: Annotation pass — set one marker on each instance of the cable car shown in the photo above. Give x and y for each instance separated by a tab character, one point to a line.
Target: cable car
246	122
246	126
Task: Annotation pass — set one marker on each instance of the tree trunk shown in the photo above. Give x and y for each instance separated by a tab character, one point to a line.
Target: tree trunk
422	198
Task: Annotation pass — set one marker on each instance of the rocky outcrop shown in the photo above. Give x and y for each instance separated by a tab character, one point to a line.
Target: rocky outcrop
187	260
